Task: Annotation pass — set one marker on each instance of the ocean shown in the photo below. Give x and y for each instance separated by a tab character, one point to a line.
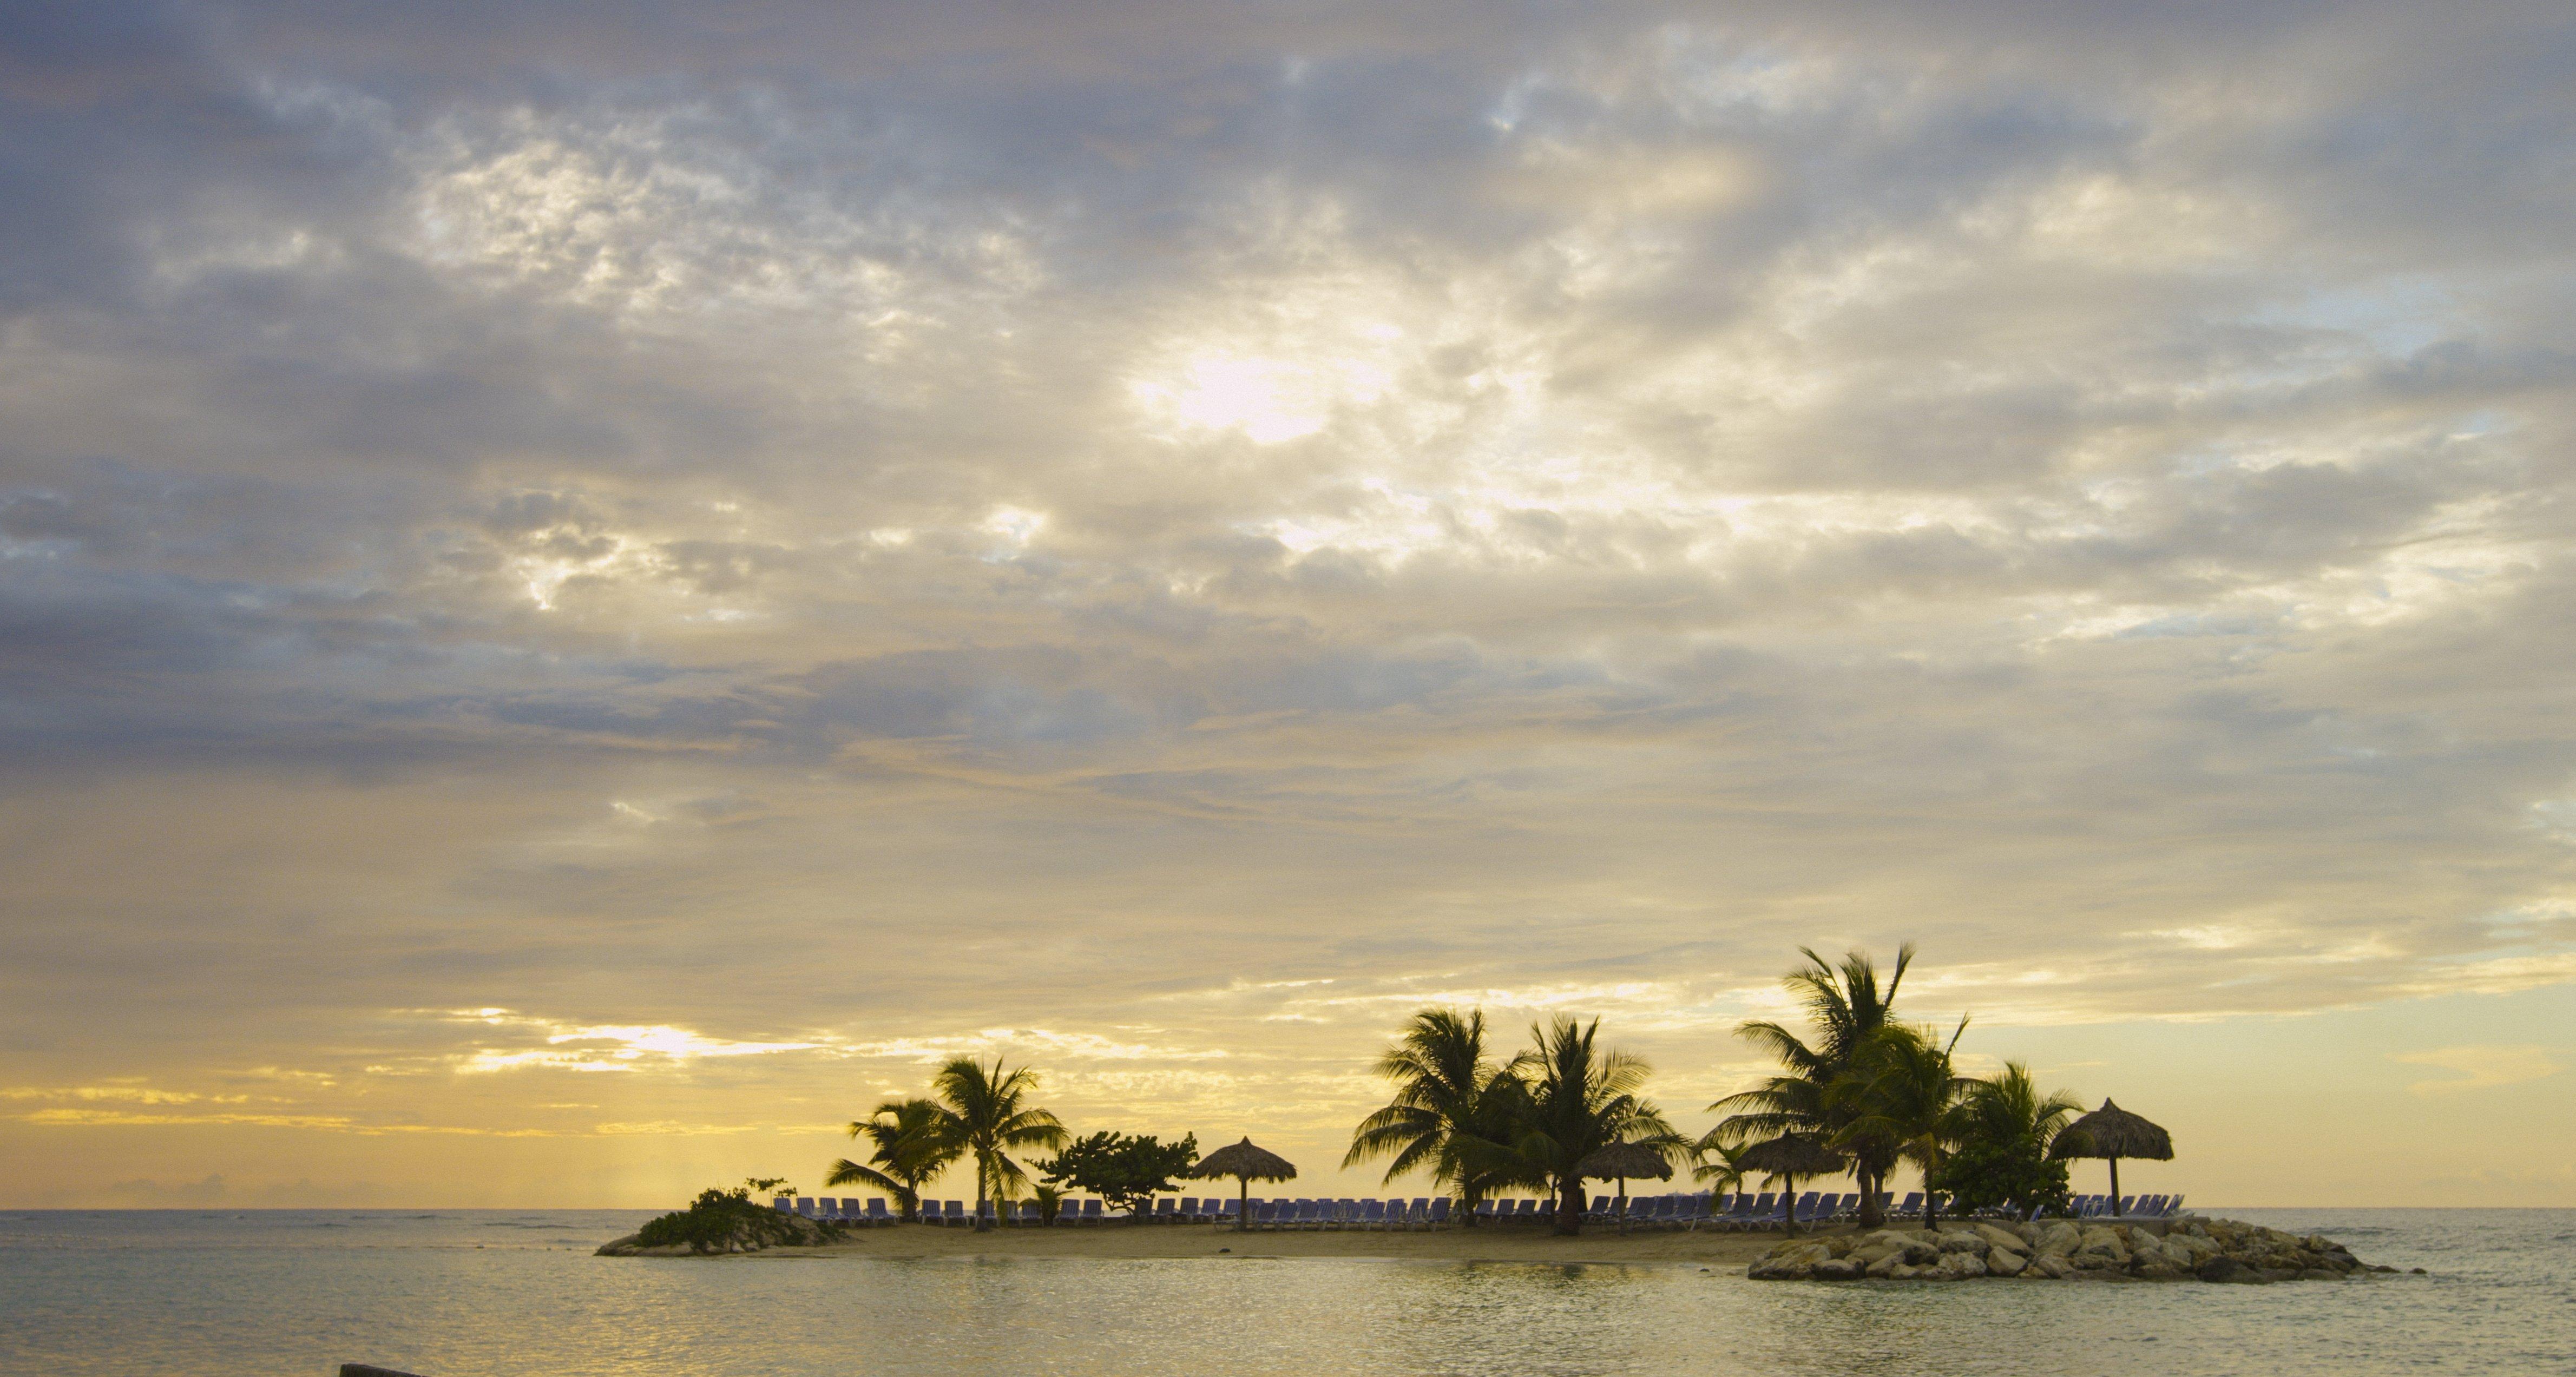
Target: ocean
515	1293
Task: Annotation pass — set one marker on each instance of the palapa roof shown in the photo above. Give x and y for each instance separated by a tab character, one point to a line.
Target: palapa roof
1245	1161
2112	1132
1791	1154
1625	1161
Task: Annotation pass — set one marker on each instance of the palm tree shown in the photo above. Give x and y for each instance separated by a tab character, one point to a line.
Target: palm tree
2010	1109
910	1150
1725	1174
1448	1094
1579	1099
1845	1007
1899	1101
982	1112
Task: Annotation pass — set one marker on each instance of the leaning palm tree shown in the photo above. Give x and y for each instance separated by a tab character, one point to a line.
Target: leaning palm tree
1579	1099
911	1148
1900	1098
1845	1007
1447	1094
982	1111
1724	1174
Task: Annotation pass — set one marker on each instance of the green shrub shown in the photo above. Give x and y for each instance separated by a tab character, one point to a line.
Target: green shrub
720	1217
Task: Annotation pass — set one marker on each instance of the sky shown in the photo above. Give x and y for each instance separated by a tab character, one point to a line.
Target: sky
587	591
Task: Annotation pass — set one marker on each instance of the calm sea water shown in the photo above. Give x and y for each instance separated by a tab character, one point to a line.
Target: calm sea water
292	1293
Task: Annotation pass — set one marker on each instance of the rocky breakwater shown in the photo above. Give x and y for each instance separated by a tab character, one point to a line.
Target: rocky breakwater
2216	1250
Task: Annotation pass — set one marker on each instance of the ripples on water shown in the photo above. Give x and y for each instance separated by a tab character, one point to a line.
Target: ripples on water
515	1294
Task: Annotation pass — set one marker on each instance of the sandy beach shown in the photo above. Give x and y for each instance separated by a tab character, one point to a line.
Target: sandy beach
1169	1241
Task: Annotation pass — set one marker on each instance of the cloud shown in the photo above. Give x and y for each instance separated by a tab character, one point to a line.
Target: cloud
2480	1068
757	546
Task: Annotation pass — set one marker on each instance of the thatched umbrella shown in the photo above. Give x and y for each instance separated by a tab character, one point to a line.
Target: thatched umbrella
1618	1162
1790	1156
1246	1164
2114	1133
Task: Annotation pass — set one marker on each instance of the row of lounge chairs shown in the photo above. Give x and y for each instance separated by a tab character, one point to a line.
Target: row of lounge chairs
1744	1210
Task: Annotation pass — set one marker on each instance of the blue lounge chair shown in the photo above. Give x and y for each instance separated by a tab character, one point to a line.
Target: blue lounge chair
1167	1210
1227	1210
1439	1211
1806	1209
1913	1203
877	1211
1526	1211
805	1206
1091	1212
1372	1214
784	1204
953	1212
1484	1209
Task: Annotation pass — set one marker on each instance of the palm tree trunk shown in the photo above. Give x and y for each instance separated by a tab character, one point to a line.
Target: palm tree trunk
1871	1215
983	1192
1569	1207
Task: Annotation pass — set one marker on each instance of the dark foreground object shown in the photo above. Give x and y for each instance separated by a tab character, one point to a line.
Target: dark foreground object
369	1370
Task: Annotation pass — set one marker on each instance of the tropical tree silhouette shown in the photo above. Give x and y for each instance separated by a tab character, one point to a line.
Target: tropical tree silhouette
1899	1101
1845	1008
911	1146
984	1111
1576	1099
2004	1126
1449	1097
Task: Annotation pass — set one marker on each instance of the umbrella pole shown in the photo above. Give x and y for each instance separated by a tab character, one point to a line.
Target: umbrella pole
2115	1186
1789	1207
1243	1204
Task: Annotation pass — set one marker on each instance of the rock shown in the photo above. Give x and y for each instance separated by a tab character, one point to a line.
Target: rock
2058	1239
2054	1266
1963	1265
2099	1241
2163	1271
1962	1242
1887	1267
2229	1270
2004	1262
1872	1253
1838	1269
1789	1262
2002	1238
2189	1249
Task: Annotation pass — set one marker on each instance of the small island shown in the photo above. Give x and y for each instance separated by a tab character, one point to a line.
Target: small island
1513	1145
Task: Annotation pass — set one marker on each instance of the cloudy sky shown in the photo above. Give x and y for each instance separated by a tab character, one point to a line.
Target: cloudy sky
586	590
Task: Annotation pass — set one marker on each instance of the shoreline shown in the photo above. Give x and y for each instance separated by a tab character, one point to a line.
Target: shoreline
1112	1242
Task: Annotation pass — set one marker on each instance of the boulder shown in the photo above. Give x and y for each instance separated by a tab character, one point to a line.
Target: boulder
2229	1270
2004	1262
2002	1238
2163	1271
1871	1254
2053	1266
2058	1239
1962	1242
1837	1269
2189	1249
1887	1267
1963	1264
1789	1262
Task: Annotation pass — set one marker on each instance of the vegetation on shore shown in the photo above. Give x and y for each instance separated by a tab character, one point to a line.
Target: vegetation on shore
1858	1091
725	1219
